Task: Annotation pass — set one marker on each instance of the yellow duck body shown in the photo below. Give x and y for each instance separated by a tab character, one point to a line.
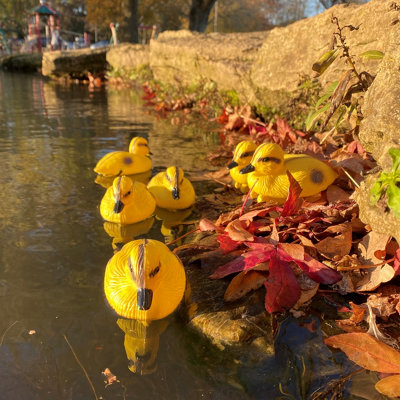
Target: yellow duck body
241	157
172	190
267	172
134	161
127	202
144	280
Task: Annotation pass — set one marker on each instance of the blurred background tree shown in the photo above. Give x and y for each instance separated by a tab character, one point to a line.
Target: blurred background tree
95	16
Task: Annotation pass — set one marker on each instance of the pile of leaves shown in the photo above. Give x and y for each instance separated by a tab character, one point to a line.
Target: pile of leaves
292	249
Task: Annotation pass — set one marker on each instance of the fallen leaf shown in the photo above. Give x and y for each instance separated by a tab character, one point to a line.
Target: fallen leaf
205	225
283	290
293	202
335	194
389	386
369	245
337	246
111	378
367	352
375	277
242	284
236	231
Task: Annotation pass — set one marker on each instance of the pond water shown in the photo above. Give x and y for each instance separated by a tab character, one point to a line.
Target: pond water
55	325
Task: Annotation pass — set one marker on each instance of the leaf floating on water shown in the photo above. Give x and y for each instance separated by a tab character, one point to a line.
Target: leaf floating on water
111	378
389	386
366	351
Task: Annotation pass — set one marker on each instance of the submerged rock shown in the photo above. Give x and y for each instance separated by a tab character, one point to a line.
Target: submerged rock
243	325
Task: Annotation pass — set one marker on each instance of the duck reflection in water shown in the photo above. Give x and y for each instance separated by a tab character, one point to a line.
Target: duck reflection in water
107	181
122	234
141	343
172	222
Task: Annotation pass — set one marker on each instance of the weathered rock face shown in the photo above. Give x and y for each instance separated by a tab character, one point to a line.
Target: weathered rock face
289	52
127	56
75	63
186	57
379	131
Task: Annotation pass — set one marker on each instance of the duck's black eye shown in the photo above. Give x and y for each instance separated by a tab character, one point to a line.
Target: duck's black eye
246	154
155	271
268	159
131	268
127	193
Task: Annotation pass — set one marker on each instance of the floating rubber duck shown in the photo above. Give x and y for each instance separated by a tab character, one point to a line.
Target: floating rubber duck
122	234
269	165
141	343
134	161
107	181
127	202
171	189
144	280
241	157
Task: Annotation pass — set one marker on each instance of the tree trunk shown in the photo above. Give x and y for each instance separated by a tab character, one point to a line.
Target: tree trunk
199	13
132	21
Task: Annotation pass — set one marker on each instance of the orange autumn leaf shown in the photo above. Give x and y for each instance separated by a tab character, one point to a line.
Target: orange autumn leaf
366	351
242	284
237	232
389	386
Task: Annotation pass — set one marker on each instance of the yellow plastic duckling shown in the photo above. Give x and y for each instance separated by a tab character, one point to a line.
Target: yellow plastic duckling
171	189
241	157
144	280
141	343
134	161
127	202
269	165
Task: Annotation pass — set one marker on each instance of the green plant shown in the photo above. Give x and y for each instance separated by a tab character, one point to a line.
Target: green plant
341	96
389	183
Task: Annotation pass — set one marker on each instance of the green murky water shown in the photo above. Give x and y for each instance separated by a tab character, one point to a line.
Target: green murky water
55	325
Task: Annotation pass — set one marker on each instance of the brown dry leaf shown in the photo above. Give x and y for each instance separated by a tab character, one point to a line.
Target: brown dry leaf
236	231
383	306
295	251
243	283
305	241
366	351
221	176
358	312
374	277
389	386
369	245
225	218
337	246
335	194
111	378
205	225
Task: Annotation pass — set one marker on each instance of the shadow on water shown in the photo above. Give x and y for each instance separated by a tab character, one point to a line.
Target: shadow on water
55	246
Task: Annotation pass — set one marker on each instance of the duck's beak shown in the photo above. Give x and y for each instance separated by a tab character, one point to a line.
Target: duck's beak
175	193
232	164
144	298
118	206
247	169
